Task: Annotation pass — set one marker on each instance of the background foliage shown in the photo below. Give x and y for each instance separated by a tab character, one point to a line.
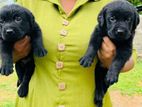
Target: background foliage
136	2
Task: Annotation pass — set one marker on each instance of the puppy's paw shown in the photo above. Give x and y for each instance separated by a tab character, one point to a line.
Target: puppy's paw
23	90
6	69
99	104
86	61
111	78
39	52
97	101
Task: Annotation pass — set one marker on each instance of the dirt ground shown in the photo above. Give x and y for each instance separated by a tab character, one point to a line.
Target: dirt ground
120	100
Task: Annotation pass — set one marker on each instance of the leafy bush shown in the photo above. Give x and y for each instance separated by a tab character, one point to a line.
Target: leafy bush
136	2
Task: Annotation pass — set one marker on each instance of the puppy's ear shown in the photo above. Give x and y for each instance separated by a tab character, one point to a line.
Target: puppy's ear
101	17
31	19
136	20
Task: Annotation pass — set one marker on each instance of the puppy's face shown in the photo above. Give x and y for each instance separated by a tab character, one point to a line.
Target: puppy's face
120	20
119	24
14	22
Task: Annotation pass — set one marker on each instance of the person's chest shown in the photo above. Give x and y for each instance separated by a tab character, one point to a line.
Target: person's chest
73	30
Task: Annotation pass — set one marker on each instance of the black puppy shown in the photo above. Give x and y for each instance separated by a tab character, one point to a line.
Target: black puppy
15	23
118	20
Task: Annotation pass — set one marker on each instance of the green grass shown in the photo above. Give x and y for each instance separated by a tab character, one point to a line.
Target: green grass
7	104
131	82
8	90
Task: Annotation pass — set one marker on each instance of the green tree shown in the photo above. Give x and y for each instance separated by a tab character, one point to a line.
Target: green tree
136	2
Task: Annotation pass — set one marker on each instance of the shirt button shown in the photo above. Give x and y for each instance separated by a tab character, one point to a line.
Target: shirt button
65	22
61	86
61	106
59	64
61	47
63	32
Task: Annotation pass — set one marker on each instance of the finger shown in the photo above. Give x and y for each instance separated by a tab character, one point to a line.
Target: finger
27	39
104	48
25	42
28	48
105	51
101	56
108	42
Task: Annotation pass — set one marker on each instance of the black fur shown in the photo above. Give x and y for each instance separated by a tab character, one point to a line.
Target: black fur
118	20
15	23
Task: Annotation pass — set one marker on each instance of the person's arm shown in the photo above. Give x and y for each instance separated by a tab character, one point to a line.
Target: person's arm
107	52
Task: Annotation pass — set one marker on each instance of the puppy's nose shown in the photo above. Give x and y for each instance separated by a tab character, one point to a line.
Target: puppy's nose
120	32
9	31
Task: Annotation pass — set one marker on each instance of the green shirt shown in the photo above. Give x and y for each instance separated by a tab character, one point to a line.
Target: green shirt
59	80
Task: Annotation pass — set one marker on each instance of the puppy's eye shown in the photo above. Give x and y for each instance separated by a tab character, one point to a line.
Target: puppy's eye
18	19
112	19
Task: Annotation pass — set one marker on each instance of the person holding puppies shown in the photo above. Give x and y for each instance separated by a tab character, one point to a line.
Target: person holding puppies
59	80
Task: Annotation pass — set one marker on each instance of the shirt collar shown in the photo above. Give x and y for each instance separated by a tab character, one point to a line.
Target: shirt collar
55	1
94	0
78	4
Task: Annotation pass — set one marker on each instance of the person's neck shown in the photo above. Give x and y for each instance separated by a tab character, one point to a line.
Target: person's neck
68	5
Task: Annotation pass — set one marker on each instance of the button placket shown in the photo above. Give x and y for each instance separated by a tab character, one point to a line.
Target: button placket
61	46
63	32
62	86
65	22
59	65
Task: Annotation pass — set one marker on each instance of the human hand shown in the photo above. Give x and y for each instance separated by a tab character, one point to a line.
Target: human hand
107	52
21	48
